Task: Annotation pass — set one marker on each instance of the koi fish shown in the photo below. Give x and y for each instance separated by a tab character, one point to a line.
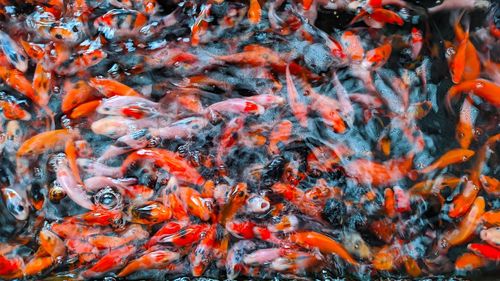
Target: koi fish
76	94
299	109
119	23
236	200
378	18
46	141
469	262
52	244
464	130
464	200
466	227
150	213
113	260
491	236
451	157
325	244
482	88
169	161
151	260
14	54
110	87
486	251
195	204
377	174
85	109
12	111
37	265
203	254
237	106
16	204
186	236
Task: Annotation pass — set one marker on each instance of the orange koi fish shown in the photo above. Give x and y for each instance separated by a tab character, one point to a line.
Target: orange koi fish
200	25
467	226
110	87
236	199
52	244
16	80
36	265
482	88
150	213
469	262
325	244
201	257
329	109
46	141
85	109
464	200
353	46
76	94
378	174
254	12
168	160
491	217
113	260
12	111
378	18
279	135
453	156
486	251
120	23
465	129
195	204
152	260
377	57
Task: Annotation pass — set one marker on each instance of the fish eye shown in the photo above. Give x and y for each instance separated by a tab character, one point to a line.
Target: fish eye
356	246
59	36
75	29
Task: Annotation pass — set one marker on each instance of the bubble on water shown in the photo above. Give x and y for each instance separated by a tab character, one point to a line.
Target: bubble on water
109	199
